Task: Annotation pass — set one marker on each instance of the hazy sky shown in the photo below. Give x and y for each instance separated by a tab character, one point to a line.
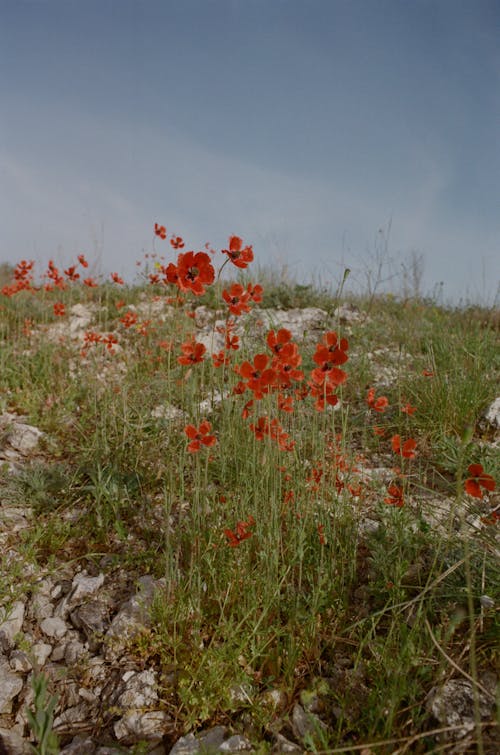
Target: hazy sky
305	126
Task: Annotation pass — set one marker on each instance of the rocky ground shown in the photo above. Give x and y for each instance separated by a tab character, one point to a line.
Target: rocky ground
73	625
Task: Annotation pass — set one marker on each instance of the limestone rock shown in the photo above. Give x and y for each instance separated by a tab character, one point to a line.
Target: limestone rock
452	704
12	622
11	685
136	725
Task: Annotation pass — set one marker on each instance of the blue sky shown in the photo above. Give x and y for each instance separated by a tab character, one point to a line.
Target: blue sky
319	130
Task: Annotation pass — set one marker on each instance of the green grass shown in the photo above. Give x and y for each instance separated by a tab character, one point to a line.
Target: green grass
312	601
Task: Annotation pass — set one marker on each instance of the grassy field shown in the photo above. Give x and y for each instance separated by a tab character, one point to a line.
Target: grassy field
308	498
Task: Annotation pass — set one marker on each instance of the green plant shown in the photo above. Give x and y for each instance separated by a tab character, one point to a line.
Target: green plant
41	718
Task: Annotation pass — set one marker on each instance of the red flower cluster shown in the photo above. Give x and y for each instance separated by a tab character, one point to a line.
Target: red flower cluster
407	450
192	273
241	532
379	404
59	309
160	231
478	479
199	436
192	352
22	278
395	497
238	254
274	430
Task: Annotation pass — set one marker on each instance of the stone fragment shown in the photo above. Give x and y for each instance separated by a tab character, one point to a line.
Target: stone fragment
92	619
492	414
305	723
79	745
452	705
151	725
11	685
82	587
21	437
187	745
19	661
282	744
140	690
236	743
13	744
73	652
132	617
12	623
72	716
54	627
41	652
211	739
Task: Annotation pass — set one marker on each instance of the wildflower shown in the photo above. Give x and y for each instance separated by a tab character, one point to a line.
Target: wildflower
241	532
255	292
160	231
59	309
177	242
128	319
192	352
83	262
220	359
90	282
409	409
478	479
407	450
378	430
116	279
379	404
194	272
321	534
109	341
239	255
395	497
259	377
237	299
428	373
71	273
199	436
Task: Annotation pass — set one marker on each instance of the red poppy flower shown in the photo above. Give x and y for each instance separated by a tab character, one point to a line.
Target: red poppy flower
276	341
219	359
160	231
237	299
192	352
194	272
199	436
128	319
379	404
478	479
255	292
116	279
71	273
395	497
239	255
110	340
241	532
177	242
59	309
409	409
407	450
83	262
90	282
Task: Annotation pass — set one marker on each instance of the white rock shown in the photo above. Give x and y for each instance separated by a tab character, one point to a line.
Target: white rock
135	725
140	691
452	704
54	627
13	743
10	686
492	414
41	652
236	743
12	622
